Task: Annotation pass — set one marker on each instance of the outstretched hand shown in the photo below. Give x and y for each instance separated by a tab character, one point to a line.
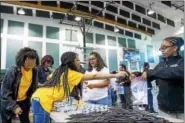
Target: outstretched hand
144	76
121	74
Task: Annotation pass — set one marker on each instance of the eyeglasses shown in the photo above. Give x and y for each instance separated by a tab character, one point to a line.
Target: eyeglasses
92	59
165	47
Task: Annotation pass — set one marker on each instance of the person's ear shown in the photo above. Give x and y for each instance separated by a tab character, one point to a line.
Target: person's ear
176	48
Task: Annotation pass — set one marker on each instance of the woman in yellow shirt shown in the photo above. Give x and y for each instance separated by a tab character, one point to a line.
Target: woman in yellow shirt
18	85
60	85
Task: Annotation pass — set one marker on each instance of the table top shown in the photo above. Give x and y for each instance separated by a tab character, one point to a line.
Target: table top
59	116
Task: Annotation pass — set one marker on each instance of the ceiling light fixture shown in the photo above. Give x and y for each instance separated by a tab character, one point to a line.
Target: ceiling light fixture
151	11
116	29
77	18
21	11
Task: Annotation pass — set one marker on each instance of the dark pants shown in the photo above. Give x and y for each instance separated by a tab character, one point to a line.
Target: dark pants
150	100
24	117
128	94
39	114
113	97
122	98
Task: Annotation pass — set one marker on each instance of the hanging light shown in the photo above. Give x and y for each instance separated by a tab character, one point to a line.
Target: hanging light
77	18
150	12
21	11
116	29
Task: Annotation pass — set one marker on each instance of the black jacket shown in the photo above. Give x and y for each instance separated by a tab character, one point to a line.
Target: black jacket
42	74
9	89
169	76
126	80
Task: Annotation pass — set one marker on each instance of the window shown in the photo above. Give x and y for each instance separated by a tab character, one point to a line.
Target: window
128	33
124	13
109	27
71	35
111	40
122	42
35	30
113	63
52	32
15	27
53	50
131	43
89	37
140	9
147	22
98	24
100	39
138	36
1	26
44	14
15	46
37	46
161	18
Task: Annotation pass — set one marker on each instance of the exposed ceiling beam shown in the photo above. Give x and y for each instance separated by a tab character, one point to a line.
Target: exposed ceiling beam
75	12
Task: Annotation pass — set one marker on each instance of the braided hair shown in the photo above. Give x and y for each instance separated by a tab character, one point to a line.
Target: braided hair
67	61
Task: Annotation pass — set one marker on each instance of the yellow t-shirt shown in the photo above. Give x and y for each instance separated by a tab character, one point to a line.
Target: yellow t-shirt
48	95
25	83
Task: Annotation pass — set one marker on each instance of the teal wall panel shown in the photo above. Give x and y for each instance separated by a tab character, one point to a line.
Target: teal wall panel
122	42
52	32
111	40
131	43
37	46
15	27
53	50
35	30
89	37
100	39
13	46
1	25
113	63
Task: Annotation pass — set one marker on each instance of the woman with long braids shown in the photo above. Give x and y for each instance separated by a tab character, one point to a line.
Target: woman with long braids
60	85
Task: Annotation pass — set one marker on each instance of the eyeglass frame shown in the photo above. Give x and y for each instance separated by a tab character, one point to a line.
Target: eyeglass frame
166	47
90	59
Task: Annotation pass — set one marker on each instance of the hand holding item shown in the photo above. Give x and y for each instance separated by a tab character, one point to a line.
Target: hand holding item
18	111
121	74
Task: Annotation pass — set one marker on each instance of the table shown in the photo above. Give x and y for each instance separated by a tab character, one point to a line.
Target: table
59	117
